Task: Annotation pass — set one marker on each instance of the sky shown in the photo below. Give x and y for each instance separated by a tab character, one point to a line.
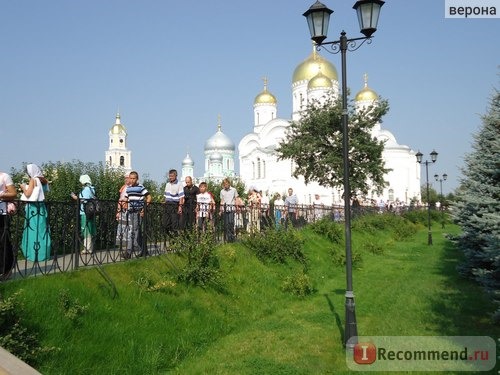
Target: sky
171	67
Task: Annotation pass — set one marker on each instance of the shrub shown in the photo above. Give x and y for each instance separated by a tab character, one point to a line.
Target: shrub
298	284
70	306
401	228
374	248
17	338
276	245
329	229
404	231
338	257
422	216
202	266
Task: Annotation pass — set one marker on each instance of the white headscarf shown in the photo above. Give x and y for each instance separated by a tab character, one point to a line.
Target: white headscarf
34	171
85	179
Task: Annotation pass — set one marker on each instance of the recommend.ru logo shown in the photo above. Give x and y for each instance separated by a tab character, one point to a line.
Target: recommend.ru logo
422	353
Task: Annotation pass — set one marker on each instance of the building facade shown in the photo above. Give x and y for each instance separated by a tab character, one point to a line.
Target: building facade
315	79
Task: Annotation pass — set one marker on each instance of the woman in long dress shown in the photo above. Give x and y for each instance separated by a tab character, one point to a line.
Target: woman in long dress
36	234
87	224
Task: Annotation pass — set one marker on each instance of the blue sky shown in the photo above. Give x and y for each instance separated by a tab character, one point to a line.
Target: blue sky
67	67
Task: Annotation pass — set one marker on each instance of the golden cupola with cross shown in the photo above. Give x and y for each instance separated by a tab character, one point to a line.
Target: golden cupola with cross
366	95
264	107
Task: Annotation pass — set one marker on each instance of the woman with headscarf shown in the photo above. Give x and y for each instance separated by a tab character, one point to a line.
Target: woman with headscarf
36	234
87	224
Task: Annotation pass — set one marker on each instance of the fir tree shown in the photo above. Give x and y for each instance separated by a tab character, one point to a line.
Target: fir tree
477	209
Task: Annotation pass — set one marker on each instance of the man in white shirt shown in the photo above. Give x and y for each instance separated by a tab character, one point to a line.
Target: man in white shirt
174	200
228	196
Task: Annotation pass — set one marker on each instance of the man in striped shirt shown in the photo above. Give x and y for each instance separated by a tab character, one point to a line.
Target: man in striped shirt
174	200
137	197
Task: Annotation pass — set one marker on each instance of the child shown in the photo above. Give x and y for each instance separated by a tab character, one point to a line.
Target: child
205	206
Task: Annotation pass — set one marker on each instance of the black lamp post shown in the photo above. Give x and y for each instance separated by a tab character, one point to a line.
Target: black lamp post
441	178
318	17
419	156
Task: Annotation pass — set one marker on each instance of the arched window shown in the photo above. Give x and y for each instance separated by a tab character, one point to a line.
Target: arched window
253	170
122	161
258	167
263	169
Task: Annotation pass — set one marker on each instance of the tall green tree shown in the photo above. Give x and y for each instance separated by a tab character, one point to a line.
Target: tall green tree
314	144
477	207
433	195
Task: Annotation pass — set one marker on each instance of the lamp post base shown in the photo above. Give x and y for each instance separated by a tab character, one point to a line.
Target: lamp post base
351	328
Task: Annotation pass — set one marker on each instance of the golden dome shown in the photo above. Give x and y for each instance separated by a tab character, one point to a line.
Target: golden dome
319	81
366	94
311	66
118	128
265	97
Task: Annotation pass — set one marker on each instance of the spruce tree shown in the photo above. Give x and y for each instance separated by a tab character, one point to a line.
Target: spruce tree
477	209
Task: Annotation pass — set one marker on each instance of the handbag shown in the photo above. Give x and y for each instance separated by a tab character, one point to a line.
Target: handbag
37	195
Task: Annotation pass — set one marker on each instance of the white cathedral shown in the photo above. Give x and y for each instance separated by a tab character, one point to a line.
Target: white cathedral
313	79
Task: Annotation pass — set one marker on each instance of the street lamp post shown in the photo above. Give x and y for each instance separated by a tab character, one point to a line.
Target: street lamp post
419	156
441	178
318	18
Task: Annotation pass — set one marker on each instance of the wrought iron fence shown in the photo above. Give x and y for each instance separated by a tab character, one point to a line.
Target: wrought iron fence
44	238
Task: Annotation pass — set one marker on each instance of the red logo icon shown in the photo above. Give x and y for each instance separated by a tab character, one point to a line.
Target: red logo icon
365	353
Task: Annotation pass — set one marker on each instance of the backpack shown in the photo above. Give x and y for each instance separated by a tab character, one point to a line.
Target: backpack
92	207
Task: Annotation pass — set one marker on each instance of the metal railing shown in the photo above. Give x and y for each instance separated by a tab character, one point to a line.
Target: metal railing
46	238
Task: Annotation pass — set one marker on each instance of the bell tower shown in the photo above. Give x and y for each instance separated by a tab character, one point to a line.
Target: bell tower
117	155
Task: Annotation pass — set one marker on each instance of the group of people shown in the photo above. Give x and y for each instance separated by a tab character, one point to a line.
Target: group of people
36	241
187	206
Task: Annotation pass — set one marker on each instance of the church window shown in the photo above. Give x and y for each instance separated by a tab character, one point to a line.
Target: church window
121	140
253	170
227	164
110	160
122	161
258	167
258	118
263	169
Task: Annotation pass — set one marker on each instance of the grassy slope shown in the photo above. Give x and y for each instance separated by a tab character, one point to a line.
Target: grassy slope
247	325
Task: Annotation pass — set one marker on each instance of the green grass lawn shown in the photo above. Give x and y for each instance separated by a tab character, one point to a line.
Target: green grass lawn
246	324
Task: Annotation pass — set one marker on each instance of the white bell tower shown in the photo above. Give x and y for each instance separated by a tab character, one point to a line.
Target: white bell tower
117	155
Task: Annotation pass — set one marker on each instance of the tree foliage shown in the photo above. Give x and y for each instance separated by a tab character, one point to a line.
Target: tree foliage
314	144
64	179
477	209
